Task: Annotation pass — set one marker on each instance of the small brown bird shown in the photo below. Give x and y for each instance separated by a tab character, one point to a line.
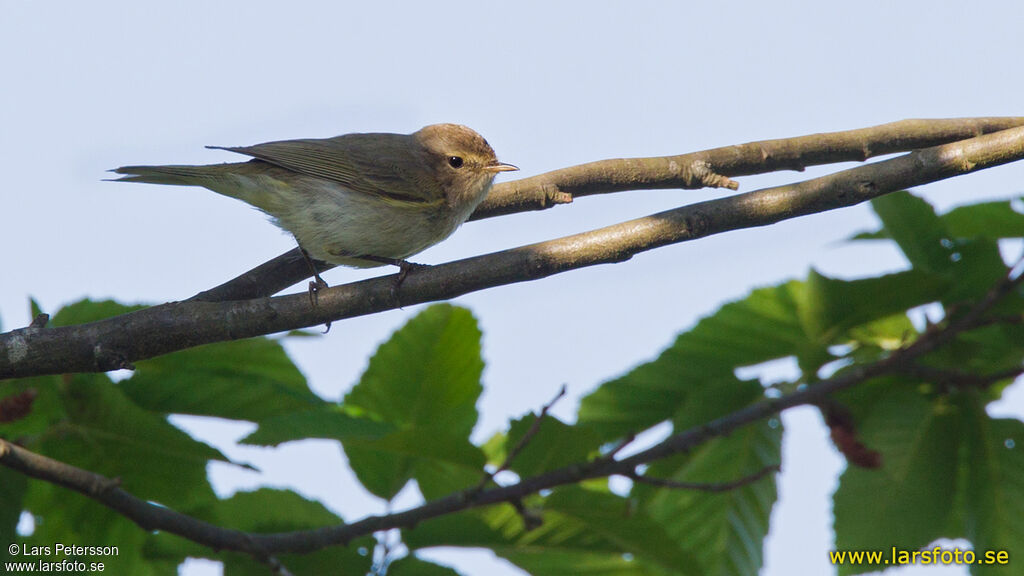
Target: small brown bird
360	199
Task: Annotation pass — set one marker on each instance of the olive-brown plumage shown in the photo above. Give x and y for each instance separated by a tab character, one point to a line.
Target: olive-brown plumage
385	196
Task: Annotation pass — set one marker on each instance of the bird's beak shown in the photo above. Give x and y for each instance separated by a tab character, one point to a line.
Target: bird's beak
499	167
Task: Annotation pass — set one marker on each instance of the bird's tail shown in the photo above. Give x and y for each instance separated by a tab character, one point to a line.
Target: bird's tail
180	175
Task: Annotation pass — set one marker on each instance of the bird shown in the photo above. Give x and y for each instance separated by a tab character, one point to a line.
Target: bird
361	199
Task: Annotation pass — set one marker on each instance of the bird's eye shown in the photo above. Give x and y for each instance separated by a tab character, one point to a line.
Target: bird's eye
455	161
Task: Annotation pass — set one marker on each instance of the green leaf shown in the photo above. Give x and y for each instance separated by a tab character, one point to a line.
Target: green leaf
955	246
495	448
251	379
709	400
85	311
440	462
15	485
985	219
555	444
982	220
983	351
909	501
912	223
887	333
107	434
724	531
34	308
331	560
761	327
582	532
427	374
67	517
270	511
994	491
610	517
976	266
425	381
830	307
413	566
437	478
46	410
574	563
329	422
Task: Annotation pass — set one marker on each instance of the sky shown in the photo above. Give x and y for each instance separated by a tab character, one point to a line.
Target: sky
87	87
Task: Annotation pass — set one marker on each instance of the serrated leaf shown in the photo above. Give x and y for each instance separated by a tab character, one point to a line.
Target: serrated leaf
270	511
250	379
594	529
437	478
976	267
985	219
724	531
107	434
909	501
427	374
425	381
985	350
556	444
761	327
994	491
631	531
982	220
384	465
913	224
328	422
829	307
62	515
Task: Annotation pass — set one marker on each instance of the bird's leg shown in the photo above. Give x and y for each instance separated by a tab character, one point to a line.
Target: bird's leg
318	284
315	286
404	266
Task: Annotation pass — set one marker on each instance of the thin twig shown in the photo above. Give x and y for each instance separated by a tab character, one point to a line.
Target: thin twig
525	439
958	378
704	486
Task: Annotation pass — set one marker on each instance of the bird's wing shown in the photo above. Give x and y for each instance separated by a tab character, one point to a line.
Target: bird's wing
384	165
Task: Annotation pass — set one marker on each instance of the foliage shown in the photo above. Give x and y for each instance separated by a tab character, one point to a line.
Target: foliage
946	468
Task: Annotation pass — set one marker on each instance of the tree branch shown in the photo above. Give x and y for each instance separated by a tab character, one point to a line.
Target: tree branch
604	176
116	342
263	546
703	486
617	175
525	440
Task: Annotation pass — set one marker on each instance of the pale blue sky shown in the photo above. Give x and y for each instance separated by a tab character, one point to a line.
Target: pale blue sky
92	86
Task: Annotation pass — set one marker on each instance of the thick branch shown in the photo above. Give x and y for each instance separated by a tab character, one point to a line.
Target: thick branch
117	342
152	517
605	176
